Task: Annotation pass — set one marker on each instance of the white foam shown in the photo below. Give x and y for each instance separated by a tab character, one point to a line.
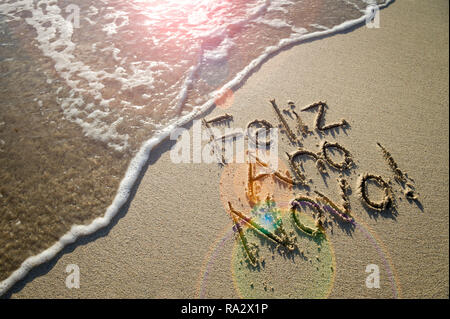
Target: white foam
318	26
220	52
92	11
138	162
279	5
89	21
54	37
275	23
112	27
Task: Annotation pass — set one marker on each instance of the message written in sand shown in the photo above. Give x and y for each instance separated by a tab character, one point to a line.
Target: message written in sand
272	225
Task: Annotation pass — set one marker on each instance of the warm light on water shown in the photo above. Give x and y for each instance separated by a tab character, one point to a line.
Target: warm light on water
133	67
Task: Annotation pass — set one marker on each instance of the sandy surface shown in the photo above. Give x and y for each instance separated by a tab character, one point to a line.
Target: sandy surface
391	85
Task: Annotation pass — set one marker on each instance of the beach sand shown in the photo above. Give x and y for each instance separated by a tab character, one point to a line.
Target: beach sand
175	240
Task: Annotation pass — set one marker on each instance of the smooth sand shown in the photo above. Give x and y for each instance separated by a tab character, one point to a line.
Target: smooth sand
391	85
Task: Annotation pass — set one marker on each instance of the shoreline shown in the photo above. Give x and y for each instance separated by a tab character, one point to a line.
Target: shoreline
253	86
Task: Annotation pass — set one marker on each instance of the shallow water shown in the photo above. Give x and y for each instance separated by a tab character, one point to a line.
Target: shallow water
81	93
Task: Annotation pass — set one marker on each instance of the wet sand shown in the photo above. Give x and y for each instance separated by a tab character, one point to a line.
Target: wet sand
52	176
